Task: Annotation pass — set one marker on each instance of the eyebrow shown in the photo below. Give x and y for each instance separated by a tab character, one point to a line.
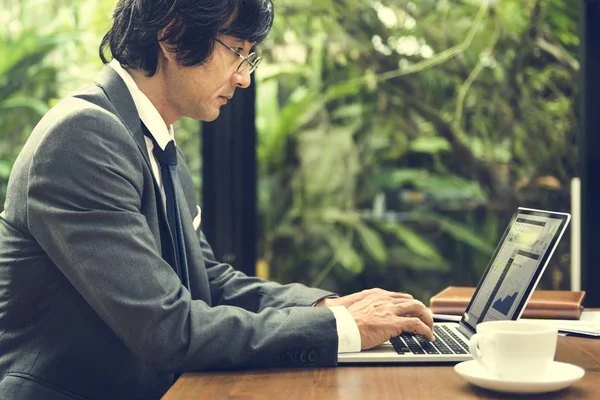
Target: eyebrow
240	40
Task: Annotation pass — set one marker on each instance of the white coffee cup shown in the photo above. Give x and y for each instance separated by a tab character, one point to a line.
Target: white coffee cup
514	350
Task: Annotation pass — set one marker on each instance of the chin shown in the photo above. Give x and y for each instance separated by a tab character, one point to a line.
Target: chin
211	119
208	117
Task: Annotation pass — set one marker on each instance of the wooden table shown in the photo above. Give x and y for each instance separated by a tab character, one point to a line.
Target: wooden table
378	382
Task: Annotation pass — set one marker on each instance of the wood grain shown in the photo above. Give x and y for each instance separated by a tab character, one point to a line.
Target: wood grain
407	381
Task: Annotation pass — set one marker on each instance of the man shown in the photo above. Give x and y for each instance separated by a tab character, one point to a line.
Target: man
108	288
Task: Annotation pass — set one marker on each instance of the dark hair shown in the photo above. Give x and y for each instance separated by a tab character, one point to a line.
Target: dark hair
191	29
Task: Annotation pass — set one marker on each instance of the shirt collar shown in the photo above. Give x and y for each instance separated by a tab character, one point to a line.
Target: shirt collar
149	115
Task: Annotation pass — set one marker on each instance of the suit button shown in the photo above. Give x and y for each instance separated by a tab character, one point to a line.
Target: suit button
303	357
312	356
295	356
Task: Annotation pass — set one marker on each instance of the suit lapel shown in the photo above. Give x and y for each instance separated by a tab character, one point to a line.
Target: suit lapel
116	90
118	94
168	247
199	286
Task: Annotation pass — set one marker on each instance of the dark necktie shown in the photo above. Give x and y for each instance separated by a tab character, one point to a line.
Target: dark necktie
167	159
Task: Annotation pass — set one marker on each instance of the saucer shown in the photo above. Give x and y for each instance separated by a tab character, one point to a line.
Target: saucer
559	376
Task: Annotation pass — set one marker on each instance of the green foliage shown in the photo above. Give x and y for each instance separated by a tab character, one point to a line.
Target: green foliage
395	137
425	122
50	48
26	87
414	242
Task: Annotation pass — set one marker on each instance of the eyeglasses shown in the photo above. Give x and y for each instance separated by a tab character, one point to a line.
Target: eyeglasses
251	62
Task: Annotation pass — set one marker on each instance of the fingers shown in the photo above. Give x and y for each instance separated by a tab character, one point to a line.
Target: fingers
382	296
380	316
416	326
400	295
401	304
383	292
415	308
376	295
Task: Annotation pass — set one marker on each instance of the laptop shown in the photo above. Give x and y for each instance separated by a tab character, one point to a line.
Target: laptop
508	282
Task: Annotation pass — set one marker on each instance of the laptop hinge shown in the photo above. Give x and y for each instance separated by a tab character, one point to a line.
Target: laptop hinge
464	330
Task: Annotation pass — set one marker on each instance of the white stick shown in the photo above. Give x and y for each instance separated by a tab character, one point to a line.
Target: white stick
575	234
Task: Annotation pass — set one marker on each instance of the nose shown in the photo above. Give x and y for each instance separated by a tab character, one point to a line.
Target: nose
242	79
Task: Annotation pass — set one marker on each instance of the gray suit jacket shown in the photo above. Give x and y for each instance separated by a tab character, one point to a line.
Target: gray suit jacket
89	308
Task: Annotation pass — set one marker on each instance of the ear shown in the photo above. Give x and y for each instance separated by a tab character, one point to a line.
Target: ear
165	48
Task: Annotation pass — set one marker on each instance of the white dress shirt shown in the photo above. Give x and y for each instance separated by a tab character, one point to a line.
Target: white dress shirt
347	330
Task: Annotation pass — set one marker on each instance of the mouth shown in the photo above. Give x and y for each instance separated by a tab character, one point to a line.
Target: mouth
224	99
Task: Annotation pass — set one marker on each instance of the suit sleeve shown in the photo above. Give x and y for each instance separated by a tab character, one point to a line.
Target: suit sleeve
231	287
85	190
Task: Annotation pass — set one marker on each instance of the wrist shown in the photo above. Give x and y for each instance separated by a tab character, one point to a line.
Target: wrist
321	303
326	301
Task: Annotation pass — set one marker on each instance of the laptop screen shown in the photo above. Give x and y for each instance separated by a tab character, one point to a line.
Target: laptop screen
516	266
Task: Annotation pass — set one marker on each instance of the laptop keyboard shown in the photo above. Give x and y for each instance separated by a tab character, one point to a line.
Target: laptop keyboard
446	342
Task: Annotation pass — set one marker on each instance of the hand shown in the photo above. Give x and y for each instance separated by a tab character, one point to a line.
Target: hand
380	315
347	301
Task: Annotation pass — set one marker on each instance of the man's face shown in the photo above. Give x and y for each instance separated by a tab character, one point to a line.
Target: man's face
200	92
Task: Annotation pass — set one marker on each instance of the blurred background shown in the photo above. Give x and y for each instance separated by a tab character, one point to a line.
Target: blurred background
393	139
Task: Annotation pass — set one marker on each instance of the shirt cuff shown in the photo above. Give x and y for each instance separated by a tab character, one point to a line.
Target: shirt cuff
347	330
331	296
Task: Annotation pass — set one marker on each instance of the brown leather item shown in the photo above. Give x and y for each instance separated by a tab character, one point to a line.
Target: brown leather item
549	304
